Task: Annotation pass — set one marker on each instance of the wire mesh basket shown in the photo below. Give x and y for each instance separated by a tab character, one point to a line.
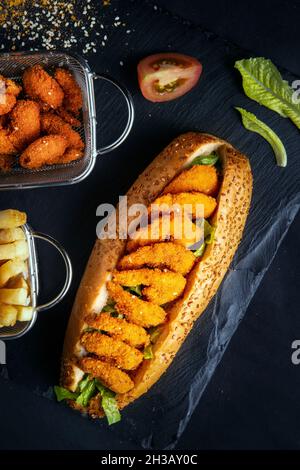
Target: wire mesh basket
12	65
20	328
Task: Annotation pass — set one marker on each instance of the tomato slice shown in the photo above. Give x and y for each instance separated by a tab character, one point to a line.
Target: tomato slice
166	76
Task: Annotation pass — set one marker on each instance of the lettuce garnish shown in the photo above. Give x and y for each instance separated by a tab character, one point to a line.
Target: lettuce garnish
263	83
251	123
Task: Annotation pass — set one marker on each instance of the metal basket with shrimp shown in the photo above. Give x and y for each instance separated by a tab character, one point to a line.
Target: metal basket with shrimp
12	65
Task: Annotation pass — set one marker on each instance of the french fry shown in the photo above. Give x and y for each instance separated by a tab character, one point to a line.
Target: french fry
24	313
14	296
17	282
8	235
8	315
11	218
17	249
10	269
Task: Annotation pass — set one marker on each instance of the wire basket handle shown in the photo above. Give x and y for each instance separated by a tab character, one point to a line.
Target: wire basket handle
68	266
130	109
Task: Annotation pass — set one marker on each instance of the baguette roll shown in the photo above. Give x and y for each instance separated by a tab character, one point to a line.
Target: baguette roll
202	282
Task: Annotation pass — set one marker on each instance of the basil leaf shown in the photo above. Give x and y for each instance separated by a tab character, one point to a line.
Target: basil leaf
64	394
87	393
206	159
200	251
148	353
108	403
136	290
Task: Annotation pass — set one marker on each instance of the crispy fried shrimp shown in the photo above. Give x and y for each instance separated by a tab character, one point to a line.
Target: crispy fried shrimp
112	377
73	97
174	227
68	117
6	162
160	255
123	356
9	91
25	124
162	286
40	86
6	146
52	124
190	202
46	150
201	178
119	328
70	155
137	311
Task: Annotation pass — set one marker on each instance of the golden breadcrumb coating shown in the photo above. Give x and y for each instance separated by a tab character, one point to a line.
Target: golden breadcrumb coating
201	178
119	328
161	286
40	86
160	255
52	124
137	311
192	201
112	377
172	227
25	124
73	97
123	355
46	150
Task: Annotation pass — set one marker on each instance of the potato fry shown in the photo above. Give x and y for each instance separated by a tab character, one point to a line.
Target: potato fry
8	315
14	296
17	282
9	235
11	218
17	249
24	313
10	269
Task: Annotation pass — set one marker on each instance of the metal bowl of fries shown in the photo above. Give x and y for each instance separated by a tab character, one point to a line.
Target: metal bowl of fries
19	277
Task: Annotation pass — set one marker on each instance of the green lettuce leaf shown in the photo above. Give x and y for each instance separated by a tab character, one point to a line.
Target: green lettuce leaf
251	123
88	391
64	394
108	403
136	290
263	83
148	353
200	251
206	159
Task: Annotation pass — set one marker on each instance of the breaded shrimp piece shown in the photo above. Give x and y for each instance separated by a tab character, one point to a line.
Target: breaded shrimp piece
6	146
160	255
52	124
162	286
137	311
6	162
68	117
25	124
172	227
112	377
9	90
201	178
40	86
195	204
119	328
73	97
46	150
123	356
70	155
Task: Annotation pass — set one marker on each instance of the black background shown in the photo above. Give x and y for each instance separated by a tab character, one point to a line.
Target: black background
252	400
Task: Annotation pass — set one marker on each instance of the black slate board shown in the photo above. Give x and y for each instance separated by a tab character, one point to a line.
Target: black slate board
69	214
